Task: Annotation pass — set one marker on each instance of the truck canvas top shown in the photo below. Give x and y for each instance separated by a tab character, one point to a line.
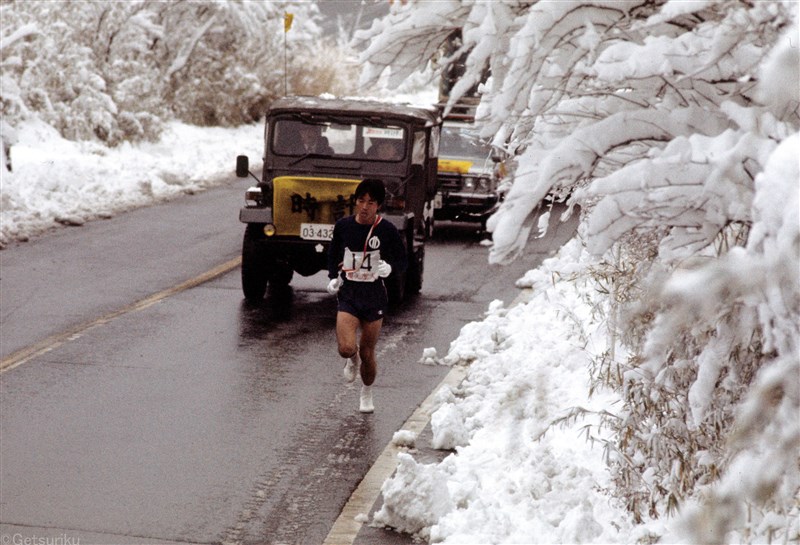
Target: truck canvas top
364	108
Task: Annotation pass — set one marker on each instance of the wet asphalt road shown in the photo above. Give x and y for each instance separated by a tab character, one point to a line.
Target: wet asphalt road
197	418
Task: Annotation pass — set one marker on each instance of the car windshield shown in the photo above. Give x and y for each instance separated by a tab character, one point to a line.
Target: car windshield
458	141
297	138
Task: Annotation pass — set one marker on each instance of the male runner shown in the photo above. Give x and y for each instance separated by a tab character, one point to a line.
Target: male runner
365	249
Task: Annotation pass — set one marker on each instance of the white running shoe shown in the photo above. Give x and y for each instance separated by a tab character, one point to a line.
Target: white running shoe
352	367
366	400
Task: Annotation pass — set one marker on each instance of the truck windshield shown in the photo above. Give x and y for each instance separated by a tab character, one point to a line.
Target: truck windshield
351	140
459	141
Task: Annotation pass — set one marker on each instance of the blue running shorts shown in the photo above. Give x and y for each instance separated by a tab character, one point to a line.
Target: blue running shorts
367	301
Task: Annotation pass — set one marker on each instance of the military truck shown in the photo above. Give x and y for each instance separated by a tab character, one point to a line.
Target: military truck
316	151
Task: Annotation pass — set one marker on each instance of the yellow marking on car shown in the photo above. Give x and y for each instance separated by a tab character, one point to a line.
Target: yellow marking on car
454	165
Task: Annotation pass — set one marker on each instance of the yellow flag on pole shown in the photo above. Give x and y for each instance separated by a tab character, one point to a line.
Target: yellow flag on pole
287	21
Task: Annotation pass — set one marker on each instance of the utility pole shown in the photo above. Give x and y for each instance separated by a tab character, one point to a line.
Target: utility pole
287	24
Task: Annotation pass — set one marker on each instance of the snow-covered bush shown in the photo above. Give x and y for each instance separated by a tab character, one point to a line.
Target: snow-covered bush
673	127
59	69
115	71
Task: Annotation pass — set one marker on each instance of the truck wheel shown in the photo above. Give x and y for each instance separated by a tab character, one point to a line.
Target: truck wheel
281	275
429	228
414	272
395	288
254	267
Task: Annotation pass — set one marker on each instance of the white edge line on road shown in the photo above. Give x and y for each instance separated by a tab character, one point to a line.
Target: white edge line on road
54	341
345	529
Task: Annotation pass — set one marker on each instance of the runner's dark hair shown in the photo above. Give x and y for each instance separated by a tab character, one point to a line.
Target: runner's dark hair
372	187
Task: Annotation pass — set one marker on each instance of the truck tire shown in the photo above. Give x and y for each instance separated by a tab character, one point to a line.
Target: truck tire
395	288
282	274
254	266
429	222
414	273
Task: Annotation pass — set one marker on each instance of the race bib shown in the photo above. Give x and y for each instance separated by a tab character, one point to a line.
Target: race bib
361	266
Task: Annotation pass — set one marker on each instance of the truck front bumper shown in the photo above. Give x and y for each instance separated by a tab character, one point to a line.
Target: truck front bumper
250	214
465	206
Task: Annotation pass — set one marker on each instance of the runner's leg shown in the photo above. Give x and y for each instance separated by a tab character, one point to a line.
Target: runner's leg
346	329
369	338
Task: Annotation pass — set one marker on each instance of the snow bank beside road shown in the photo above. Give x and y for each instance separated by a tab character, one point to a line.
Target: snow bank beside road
516	477
57	181
62	182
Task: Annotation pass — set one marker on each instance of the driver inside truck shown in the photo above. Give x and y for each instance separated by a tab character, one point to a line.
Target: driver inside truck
309	139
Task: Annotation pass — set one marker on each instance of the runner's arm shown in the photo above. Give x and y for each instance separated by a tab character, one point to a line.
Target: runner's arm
395	254
335	252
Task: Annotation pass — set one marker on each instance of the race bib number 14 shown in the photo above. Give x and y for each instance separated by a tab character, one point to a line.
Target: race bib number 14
361	267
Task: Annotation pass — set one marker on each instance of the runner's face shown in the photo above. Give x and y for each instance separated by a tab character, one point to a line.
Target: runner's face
366	209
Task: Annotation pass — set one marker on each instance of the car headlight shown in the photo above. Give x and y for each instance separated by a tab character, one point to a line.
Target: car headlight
476	183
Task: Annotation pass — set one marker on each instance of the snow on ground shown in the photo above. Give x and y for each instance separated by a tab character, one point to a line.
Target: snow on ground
59	182
514	477
56	181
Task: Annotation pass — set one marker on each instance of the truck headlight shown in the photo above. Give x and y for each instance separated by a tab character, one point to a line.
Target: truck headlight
252	196
469	183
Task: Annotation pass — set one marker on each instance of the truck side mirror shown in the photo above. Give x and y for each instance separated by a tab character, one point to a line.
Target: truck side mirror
242	166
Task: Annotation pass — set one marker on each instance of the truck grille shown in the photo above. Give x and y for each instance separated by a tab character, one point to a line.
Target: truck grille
449	182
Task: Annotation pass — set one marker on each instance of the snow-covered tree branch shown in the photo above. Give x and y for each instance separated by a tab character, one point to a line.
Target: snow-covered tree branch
114	71
673	127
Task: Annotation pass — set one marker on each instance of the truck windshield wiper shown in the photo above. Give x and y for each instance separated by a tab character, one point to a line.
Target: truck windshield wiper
308	156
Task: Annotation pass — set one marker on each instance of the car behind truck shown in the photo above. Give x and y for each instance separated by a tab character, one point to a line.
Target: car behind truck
316	151
470	173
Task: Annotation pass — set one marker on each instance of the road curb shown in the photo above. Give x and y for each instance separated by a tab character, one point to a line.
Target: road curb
355	512
348	524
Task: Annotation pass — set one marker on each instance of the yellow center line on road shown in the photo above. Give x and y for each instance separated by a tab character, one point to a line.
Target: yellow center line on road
54	341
